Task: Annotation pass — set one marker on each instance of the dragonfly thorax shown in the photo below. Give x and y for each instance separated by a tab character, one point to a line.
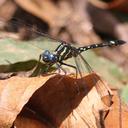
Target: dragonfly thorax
48	57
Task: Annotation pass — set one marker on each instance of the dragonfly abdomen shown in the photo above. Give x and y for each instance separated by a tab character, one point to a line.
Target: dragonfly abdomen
105	44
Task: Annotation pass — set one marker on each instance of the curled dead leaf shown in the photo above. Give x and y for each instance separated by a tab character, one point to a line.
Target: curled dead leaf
53	101
14	94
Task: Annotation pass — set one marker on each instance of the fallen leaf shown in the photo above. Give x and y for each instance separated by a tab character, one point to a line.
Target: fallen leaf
14	94
57	101
61	102
118	114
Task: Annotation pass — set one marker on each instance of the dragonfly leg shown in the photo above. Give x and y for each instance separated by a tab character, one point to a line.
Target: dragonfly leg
74	67
59	67
48	67
76	61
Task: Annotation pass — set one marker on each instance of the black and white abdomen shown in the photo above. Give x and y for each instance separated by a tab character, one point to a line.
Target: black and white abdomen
104	44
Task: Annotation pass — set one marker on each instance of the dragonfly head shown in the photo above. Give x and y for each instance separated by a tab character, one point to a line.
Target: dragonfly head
48	57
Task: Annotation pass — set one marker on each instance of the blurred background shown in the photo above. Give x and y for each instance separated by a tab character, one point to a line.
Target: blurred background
81	22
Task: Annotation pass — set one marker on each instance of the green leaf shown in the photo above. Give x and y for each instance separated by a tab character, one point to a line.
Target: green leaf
21	55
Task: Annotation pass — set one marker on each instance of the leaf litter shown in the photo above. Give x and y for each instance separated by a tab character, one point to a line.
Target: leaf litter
44	102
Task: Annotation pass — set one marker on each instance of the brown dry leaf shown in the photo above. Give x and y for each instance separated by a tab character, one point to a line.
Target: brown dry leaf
14	94
57	101
118	114
61	102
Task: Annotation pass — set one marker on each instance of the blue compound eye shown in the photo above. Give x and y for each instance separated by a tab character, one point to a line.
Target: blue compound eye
49	57
45	56
53	58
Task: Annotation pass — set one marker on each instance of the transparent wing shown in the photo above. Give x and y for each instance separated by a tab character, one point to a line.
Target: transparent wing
84	68
15	25
27	29
82	65
13	50
89	68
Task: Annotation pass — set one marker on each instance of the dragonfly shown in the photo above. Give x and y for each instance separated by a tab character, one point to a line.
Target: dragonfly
65	51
